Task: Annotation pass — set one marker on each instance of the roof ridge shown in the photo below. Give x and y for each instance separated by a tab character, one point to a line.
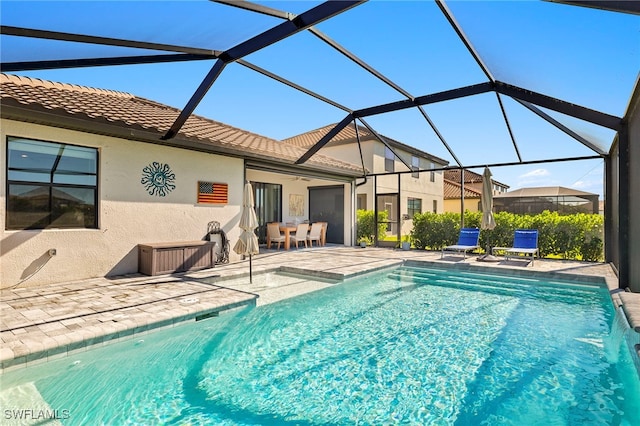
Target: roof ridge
131	110
33	82
326	127
364	131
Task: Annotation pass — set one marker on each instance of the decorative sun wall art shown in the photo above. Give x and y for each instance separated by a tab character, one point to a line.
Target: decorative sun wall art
158	179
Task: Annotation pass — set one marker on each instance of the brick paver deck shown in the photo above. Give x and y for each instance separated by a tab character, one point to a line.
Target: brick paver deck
38	324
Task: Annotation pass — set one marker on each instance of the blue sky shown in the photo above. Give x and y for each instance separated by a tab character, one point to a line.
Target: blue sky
581	55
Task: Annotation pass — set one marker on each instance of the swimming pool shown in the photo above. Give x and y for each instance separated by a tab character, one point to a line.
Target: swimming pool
408	345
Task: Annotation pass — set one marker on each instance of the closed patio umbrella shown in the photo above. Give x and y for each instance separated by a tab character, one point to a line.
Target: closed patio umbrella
247	244
488	221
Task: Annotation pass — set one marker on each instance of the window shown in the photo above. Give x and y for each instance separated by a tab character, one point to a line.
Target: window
414	205
389	160
415	165
361	202
213	193
433	174
51	185
435	206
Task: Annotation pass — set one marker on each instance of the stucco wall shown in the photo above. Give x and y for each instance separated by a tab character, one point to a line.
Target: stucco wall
351	153
453	205
373	155
128	214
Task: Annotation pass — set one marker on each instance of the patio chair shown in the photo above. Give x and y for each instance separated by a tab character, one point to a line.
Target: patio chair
300	235
323	235
315	234
467	241
525	241
274	235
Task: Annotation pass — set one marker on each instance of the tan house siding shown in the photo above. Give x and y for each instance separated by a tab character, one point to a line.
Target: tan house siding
373	154
126	131
472	191
374	160
470	204
128	215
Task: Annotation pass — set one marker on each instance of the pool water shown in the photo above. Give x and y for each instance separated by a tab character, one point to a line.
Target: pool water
402	346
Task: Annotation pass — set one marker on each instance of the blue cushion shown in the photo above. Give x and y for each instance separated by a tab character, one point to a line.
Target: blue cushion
469	237
525	238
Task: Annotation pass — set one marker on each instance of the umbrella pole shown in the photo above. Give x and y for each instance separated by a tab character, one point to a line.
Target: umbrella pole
250	272
488	257
488	244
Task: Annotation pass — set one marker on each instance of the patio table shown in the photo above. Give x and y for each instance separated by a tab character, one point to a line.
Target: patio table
288	229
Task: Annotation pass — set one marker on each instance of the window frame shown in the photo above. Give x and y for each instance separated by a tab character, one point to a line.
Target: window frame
411	209
415	166
50	185
389	160
361	199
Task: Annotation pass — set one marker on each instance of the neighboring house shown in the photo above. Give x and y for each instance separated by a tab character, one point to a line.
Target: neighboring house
552	198
86	178
419	192
472	190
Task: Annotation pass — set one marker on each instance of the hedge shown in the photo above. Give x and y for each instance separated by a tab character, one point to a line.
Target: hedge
578	236
365	228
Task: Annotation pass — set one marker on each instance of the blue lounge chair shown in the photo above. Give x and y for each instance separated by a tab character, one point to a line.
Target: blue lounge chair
525	241
468	240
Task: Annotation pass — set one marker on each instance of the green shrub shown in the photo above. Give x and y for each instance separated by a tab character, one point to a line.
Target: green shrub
592	244
365	225
579	236
434	231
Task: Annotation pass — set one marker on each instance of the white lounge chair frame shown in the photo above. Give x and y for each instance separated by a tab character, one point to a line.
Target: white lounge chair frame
466	235
527	239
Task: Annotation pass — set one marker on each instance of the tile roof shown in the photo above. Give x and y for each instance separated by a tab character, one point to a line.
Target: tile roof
453	175
119	113
451	191
348	135
545	191
469	176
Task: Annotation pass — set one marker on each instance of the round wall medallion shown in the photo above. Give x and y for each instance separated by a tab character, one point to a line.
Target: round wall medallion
158	179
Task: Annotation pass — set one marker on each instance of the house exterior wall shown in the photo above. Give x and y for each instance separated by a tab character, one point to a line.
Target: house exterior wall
453	205
373	154
127	214
292	186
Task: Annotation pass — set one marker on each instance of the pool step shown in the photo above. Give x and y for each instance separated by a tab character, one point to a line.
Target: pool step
511	279
560	287
24	405
421	281
514	286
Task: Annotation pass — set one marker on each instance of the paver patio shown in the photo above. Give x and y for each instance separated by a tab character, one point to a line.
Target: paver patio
38	324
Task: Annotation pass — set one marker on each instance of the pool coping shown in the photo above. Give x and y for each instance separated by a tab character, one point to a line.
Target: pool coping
132	325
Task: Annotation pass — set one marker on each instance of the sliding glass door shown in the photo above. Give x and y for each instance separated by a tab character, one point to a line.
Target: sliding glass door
268	203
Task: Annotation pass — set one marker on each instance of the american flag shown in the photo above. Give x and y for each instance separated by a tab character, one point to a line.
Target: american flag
213	193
